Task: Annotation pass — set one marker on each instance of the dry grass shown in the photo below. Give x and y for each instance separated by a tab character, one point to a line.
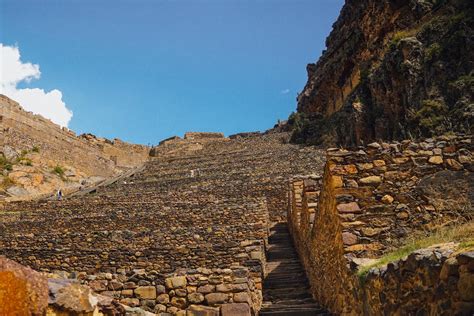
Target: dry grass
6	182
460	233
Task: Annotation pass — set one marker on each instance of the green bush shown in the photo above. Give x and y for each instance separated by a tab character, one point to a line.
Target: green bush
58	170
299	124
464	81
433	51
35	149
5	164
399	35
431	116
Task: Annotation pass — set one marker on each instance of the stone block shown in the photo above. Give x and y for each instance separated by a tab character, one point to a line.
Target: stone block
98	285
351	207
371	180
349	238
146	292
132	302
223	288
205	289
159	308
179	302
160	289
199	310
240	287
213	299
163	299
453	164
127	293
235	309
71	296
436	160
115	285
387	199
379	163
195	298
242	297
176	282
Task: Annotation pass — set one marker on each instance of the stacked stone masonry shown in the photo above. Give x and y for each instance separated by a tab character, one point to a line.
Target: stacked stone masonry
368	203
199	214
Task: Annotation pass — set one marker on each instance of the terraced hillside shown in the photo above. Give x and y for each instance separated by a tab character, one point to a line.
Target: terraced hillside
208	206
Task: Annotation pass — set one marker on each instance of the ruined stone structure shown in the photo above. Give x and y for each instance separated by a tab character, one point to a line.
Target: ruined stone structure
201	229
38	146
188	232
369	202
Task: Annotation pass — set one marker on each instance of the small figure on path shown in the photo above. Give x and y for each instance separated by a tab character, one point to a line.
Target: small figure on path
60	194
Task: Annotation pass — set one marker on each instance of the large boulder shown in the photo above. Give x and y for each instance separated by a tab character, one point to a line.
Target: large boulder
23	291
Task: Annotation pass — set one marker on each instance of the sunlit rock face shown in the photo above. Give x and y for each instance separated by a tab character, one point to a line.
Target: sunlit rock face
23	291
392	70
37	157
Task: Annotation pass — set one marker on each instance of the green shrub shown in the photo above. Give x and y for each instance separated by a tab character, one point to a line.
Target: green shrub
437	3
399	35
58	170
433	51
299	124
431	116
464	81
5	164
35	149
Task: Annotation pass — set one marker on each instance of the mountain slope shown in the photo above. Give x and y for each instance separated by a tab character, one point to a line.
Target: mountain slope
37	156
392	70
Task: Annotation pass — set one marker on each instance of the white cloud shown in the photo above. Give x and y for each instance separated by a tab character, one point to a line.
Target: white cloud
285	91
13	71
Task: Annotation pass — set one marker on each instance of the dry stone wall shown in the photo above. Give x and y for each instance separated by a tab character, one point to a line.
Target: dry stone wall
366	204
202	215
212	289
433	281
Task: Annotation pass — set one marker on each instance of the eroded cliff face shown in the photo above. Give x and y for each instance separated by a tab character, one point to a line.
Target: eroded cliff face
392	69
37	156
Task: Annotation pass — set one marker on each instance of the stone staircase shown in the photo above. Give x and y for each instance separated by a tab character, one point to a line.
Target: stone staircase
286	289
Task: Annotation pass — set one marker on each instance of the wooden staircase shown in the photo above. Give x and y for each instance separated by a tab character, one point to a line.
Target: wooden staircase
286	290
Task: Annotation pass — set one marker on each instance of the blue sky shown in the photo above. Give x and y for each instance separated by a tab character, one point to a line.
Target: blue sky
145	70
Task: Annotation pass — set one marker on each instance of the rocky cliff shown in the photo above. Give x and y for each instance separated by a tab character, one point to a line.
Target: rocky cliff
37	156
393	69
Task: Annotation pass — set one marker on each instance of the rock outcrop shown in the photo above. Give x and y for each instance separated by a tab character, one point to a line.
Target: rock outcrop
37	156
392	70
24	291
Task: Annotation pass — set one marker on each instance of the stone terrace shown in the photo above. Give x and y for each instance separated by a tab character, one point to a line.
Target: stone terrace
199	203
371	201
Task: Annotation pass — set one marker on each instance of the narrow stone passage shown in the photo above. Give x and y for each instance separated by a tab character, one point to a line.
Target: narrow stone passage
286	289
